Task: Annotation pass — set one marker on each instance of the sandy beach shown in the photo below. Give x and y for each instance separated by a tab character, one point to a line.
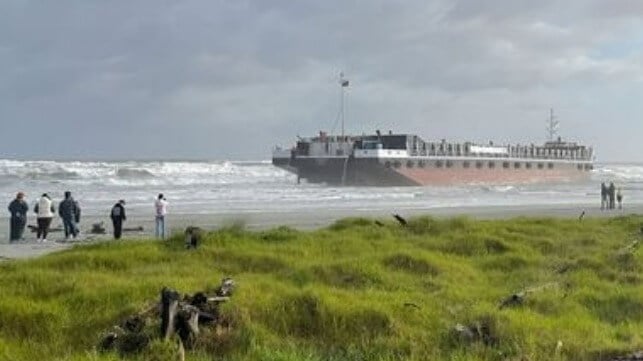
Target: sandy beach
265	220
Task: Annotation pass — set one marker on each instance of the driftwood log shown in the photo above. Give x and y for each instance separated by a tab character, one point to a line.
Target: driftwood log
636	356
175	316
518	298
34	229
400	220
192	237
99	228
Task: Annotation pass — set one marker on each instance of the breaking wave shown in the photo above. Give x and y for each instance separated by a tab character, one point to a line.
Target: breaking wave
140	173
257	186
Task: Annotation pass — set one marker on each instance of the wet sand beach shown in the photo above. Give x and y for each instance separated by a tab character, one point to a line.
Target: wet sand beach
263	220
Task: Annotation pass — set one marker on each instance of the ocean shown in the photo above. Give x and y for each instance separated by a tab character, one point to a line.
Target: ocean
242	187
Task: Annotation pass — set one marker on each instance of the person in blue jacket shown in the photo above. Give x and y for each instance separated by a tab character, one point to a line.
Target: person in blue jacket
69	211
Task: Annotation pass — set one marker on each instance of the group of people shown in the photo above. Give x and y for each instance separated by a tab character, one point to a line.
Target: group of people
609	194
69	212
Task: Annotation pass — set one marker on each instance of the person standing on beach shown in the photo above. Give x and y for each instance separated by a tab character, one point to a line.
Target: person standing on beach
45	211
619	198
604	192
612	194
19	209
118	217
69	211
161	211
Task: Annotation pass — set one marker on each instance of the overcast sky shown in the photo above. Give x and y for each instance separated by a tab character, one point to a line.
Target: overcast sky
228	79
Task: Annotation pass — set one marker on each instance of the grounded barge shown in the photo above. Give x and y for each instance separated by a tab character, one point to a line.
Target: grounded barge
407	160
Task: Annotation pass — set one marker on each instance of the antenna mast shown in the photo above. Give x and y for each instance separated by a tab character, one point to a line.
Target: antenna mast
343	82
552	125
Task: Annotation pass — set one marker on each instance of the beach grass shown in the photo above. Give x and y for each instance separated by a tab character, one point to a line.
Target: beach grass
360	289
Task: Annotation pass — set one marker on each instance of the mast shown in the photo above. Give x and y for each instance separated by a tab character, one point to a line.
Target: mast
343	84
552	125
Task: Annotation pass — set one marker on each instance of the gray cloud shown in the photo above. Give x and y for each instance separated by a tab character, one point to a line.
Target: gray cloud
228	79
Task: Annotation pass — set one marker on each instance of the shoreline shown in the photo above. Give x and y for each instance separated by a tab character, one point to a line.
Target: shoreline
300	220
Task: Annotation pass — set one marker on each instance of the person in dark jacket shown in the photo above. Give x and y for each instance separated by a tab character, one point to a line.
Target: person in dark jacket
118	217
69	211
612	194
19	209
604	191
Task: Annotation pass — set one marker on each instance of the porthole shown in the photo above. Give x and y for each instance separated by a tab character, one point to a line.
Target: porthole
491	164
528	165
517	165
505	164
387	164
397	164
541	166
478	164
466	164
579	167
438	164
409	164
421	164
550	165
449	164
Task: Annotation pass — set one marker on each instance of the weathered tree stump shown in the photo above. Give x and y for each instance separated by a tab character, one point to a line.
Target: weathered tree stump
169	309
178	316
192	237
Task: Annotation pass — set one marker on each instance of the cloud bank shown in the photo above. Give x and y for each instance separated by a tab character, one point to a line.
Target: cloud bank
223	79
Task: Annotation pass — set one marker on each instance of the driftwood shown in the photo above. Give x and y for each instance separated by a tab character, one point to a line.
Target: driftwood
176	316
479	331
99	228
411	304
636	356
133	229
400	219
518	298
34	229
192	237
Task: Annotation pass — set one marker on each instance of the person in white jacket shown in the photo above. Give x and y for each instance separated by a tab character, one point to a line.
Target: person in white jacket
161	211
45	211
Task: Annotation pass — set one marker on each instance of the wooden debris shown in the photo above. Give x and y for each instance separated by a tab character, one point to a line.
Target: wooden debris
411	304
518	298
34	229
515	299
169	309
636	356
175	316
479	331
192	237
98	228
400	220
134	229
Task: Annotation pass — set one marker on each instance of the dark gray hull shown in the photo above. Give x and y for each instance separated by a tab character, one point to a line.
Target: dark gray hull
344	171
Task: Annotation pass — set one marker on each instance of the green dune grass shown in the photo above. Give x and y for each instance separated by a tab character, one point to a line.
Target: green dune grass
353	291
